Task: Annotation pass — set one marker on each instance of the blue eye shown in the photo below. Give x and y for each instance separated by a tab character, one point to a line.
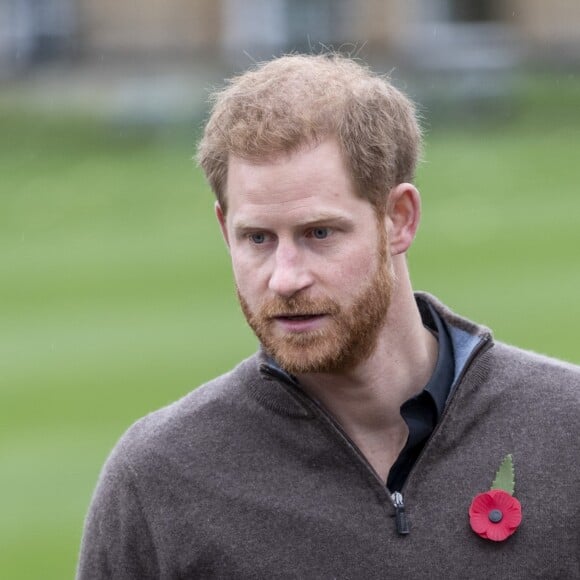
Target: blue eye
258	238
320	233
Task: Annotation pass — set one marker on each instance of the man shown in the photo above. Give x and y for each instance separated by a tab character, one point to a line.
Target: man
363	438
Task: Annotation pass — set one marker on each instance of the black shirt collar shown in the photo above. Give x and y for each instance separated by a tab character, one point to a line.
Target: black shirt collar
439	384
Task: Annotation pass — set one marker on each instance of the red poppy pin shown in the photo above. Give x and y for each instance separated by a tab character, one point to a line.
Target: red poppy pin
495	515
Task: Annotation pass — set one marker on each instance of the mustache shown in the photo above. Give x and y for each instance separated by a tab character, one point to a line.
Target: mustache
297	306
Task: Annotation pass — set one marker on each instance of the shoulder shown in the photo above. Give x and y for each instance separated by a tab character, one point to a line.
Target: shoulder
526	395
206	426
509	370
199	416
549	377
147	469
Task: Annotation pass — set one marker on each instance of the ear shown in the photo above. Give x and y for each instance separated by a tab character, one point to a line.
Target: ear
222	222
403	215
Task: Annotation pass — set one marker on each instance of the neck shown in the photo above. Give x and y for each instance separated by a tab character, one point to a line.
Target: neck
366	400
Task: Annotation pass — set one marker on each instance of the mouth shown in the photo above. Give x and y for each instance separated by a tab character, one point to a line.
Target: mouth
298	316
297	323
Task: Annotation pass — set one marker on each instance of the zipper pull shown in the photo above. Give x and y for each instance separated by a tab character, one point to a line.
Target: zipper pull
400	515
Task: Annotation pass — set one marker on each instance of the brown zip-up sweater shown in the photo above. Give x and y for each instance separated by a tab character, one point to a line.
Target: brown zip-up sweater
248	477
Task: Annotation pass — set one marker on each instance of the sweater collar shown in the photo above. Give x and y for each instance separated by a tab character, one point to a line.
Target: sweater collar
466	336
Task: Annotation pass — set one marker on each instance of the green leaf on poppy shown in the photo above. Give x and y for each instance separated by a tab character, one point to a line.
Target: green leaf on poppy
505	478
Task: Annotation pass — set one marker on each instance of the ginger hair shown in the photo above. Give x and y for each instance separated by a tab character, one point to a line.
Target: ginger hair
295	101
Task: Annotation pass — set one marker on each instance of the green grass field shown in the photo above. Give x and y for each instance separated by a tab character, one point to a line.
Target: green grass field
116	296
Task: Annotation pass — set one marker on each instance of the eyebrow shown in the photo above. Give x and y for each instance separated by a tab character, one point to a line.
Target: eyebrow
315	220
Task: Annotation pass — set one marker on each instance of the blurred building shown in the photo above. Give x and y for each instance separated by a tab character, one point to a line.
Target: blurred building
148	62
33	31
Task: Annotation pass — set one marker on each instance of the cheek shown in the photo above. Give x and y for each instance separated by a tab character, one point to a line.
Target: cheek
248	275
241	274
356	265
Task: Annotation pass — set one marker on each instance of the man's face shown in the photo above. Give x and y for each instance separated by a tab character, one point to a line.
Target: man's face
310	259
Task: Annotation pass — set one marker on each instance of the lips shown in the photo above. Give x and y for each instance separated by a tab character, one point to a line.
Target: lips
298	323
297	316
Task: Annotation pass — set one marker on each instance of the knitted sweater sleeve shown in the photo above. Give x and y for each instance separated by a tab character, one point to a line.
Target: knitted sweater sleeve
117	541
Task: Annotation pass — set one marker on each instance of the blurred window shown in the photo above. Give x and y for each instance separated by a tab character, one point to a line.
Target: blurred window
271	25
473	10
311	22
35	30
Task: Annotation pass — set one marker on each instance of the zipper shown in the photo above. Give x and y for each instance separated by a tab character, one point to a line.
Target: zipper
400	516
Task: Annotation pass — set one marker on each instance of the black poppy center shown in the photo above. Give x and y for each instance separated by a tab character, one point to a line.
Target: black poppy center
495	516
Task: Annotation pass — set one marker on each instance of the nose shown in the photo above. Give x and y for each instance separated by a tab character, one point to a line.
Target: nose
290	274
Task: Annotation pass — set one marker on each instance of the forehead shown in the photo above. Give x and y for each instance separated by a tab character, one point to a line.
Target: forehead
312	180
